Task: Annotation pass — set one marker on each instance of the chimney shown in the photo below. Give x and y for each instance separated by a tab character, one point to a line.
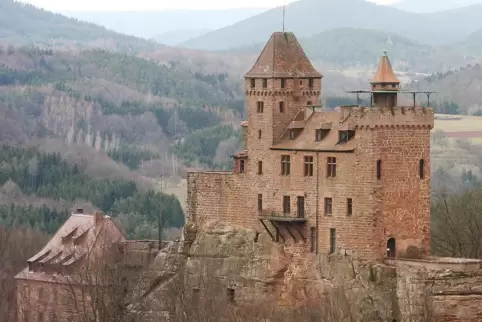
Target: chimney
79	211
98	216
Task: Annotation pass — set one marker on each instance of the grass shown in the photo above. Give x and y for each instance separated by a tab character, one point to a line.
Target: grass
466	123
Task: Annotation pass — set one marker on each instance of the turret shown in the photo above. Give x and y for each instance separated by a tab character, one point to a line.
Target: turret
385	85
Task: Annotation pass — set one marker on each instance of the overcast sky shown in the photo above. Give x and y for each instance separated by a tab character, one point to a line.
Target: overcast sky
62	5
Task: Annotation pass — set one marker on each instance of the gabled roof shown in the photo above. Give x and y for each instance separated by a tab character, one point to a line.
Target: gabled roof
385	74
283	56
72	243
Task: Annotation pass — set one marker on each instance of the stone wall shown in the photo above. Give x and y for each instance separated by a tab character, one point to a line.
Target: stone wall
439	295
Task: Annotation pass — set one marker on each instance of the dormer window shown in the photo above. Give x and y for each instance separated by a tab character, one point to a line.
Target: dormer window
292	134
265	83
345	136
253	82
320	134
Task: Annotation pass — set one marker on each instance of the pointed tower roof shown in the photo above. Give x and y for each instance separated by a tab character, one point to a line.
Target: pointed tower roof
283	57
385	72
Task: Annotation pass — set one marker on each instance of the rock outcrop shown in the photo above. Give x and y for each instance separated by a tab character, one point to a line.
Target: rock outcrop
253	270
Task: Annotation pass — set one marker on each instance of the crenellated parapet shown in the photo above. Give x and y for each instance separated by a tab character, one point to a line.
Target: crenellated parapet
384	117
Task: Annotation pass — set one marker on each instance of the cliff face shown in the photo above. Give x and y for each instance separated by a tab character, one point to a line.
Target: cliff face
235	264
214	265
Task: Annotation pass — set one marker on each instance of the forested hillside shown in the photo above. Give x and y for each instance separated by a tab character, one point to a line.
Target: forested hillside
309	17
131	108
48	176
458	91
353	47
26	24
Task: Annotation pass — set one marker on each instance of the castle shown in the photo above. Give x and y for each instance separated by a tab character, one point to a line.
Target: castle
352	180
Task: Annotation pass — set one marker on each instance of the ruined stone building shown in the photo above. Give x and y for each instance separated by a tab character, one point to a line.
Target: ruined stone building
65	281
356	179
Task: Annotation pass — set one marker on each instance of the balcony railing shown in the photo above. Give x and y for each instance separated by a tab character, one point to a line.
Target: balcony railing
281	214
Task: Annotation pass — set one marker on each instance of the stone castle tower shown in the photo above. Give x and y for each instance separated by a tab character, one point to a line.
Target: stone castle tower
352	180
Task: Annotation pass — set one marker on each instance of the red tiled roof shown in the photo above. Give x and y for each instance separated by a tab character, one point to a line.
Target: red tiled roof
283	56
306	138
242	154
385	72
71	244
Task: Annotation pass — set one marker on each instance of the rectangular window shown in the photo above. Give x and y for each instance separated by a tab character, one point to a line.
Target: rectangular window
260	202
283	83
285	165
331	167
300	207
265	83
260	167
345	136
40	317
309	165
349	206
422	169
313	239
321	134
253	82
379	169
230	294
260	107
286	205
310	83
259	134
292	134
332	240
309	103
241	166
328	206
281	107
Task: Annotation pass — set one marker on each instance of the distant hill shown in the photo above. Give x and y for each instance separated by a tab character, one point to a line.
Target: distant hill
26	24
353	47
148	24
461	86
175	37
309	17
430	6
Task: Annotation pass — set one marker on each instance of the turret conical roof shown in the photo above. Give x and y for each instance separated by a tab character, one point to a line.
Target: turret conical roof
283	56
385	74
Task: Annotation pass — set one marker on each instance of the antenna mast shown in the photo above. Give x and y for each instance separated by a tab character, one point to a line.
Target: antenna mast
284	14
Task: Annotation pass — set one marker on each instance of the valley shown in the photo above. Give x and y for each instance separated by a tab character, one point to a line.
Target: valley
123	108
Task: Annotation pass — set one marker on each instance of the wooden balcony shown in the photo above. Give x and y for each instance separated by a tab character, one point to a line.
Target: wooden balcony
284	224
293	217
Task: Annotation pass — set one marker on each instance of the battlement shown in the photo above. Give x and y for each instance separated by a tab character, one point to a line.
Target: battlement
379	117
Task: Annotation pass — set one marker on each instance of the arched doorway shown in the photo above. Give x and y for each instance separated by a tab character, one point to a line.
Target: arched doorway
391	248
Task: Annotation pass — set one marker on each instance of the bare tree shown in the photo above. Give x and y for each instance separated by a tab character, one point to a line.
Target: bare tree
16	246
457	225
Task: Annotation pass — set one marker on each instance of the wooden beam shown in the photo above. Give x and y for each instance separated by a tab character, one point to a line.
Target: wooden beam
269	232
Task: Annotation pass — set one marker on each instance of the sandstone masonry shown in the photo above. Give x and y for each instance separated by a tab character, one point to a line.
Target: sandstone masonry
355	180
